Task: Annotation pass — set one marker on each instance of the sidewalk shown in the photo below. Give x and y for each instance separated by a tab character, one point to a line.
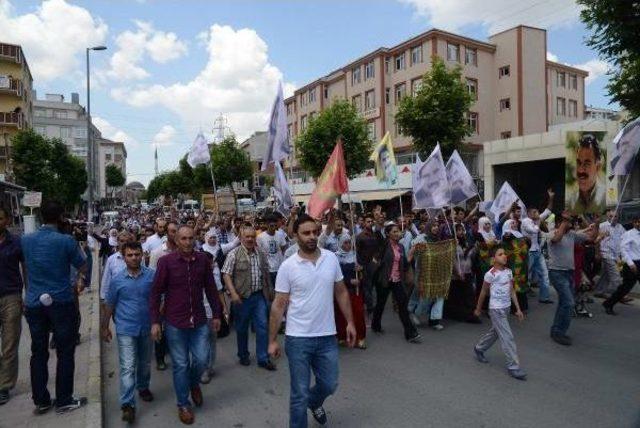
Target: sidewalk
18	412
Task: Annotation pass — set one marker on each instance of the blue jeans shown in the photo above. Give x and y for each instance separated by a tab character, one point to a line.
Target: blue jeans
538	269
562	281
253	308
305	354
135	366
189	350
432	308
61	319
213	336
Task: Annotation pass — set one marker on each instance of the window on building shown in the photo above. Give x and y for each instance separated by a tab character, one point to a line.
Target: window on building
387	61
387	95
472	87
312	95
401	91
303	98
326	92
472	121
573	108
303	122
504	71
573	81
48	113
561	79
65	132
369	70
371	131
107	157
356	76
400	62
453	52
561	106
416	55
505	134
505	104
80	132
42	130
289	131
117	158
357	102
416	84
60	114
39	112
470	56
370	100
288	109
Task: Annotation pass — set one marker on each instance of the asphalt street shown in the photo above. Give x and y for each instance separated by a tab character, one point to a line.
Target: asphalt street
438	383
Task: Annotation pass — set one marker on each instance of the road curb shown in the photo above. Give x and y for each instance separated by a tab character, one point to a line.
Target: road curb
94	411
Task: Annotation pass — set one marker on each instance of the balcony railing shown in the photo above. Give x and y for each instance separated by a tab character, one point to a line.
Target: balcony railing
12	119
10	85
11	52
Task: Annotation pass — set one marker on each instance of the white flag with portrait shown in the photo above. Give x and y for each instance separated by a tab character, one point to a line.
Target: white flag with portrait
199	152
430	184
460	180
282	191
277	147
624	148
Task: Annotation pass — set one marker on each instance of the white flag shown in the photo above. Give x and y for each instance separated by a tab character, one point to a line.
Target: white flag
503	201
460	181
281	191
430	184
278	146
199	152
624	148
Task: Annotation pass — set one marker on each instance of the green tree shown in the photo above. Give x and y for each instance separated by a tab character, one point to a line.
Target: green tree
230	164
114	177
45	165
437	112
315	145
156	187
614	27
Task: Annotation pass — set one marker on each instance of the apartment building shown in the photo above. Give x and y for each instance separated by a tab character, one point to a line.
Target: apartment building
517	91
15	101
110	152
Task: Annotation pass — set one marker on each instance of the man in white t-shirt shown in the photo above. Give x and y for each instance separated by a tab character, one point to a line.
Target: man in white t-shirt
157	239
306	284
498	283
273	244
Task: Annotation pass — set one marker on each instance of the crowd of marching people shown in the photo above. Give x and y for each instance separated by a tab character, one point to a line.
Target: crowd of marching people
173	282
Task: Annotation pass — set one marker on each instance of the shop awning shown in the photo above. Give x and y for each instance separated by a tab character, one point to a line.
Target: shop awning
375	195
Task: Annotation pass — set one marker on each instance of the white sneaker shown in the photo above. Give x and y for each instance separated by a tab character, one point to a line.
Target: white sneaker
414	319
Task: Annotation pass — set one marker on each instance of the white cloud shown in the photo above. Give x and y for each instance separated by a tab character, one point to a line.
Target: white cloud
165	137
52	36
113	133
552	57
495	15
237	80
596	68
132	46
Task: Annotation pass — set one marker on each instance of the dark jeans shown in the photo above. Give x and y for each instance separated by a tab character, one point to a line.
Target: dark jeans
160	347
562	281
628	281
368	272
253	309
401	299
60	319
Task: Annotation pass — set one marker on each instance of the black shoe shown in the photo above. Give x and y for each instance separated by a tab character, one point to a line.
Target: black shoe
518	374
161	365
319	415
75	404
608	309
41	409
268	365
480	355
4	396
415	338
128	413
245	361
546	302
378	330
562	339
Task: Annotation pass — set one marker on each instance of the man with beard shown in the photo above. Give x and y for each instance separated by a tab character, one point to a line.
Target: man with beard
368	246
305	286
590	198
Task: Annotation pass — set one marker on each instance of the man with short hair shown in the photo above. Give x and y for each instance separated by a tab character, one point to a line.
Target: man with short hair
10	305
537	265
630	249
590	197
158	238
246	276
612	233
273	244
332	233
181	277
306	285
128	302
368	246
50	308
115	264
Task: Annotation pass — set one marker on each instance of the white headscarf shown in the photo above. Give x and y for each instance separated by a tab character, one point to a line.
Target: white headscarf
509	226
209	248
488	236
345	257
113	237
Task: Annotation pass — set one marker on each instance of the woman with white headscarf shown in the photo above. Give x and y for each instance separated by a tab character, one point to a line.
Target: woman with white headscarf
486	230
347	258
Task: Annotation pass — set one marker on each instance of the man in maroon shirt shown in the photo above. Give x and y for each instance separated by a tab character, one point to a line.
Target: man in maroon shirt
181	277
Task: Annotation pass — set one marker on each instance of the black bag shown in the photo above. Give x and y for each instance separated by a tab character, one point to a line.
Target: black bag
224	328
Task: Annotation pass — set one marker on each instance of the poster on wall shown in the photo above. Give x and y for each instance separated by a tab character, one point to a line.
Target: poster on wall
586	182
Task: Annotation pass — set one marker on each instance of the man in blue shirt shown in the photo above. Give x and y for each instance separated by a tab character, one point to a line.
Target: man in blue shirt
50	307
128	300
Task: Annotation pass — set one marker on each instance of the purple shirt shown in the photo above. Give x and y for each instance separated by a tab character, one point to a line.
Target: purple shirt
181	279
10	259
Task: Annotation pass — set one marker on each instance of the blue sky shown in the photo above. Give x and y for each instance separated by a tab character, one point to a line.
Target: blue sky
173	65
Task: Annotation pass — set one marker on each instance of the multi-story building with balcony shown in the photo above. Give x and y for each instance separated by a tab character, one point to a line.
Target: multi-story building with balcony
15	101
111	152
516	90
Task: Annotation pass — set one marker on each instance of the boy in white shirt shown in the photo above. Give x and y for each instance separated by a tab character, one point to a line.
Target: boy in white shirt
498	283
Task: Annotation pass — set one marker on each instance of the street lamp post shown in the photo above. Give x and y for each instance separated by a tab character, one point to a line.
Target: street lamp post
91	161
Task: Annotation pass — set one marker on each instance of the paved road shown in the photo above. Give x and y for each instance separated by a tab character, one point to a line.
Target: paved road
595	383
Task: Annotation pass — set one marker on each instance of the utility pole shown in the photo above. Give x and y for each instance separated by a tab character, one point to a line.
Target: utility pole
91	152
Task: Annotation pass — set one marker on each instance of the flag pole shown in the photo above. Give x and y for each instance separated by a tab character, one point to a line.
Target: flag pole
215	190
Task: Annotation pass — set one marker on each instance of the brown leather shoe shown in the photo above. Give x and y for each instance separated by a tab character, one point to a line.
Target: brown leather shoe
128	413
145	395
196	396
186	415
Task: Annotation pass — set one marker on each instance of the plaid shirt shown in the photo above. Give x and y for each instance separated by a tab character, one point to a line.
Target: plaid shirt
254	262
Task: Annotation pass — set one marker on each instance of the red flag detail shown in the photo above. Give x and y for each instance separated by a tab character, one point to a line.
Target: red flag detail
331	184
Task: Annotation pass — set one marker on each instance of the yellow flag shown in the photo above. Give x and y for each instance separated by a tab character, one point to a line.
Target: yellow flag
385	161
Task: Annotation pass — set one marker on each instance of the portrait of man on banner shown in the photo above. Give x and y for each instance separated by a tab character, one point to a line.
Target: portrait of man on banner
585	173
